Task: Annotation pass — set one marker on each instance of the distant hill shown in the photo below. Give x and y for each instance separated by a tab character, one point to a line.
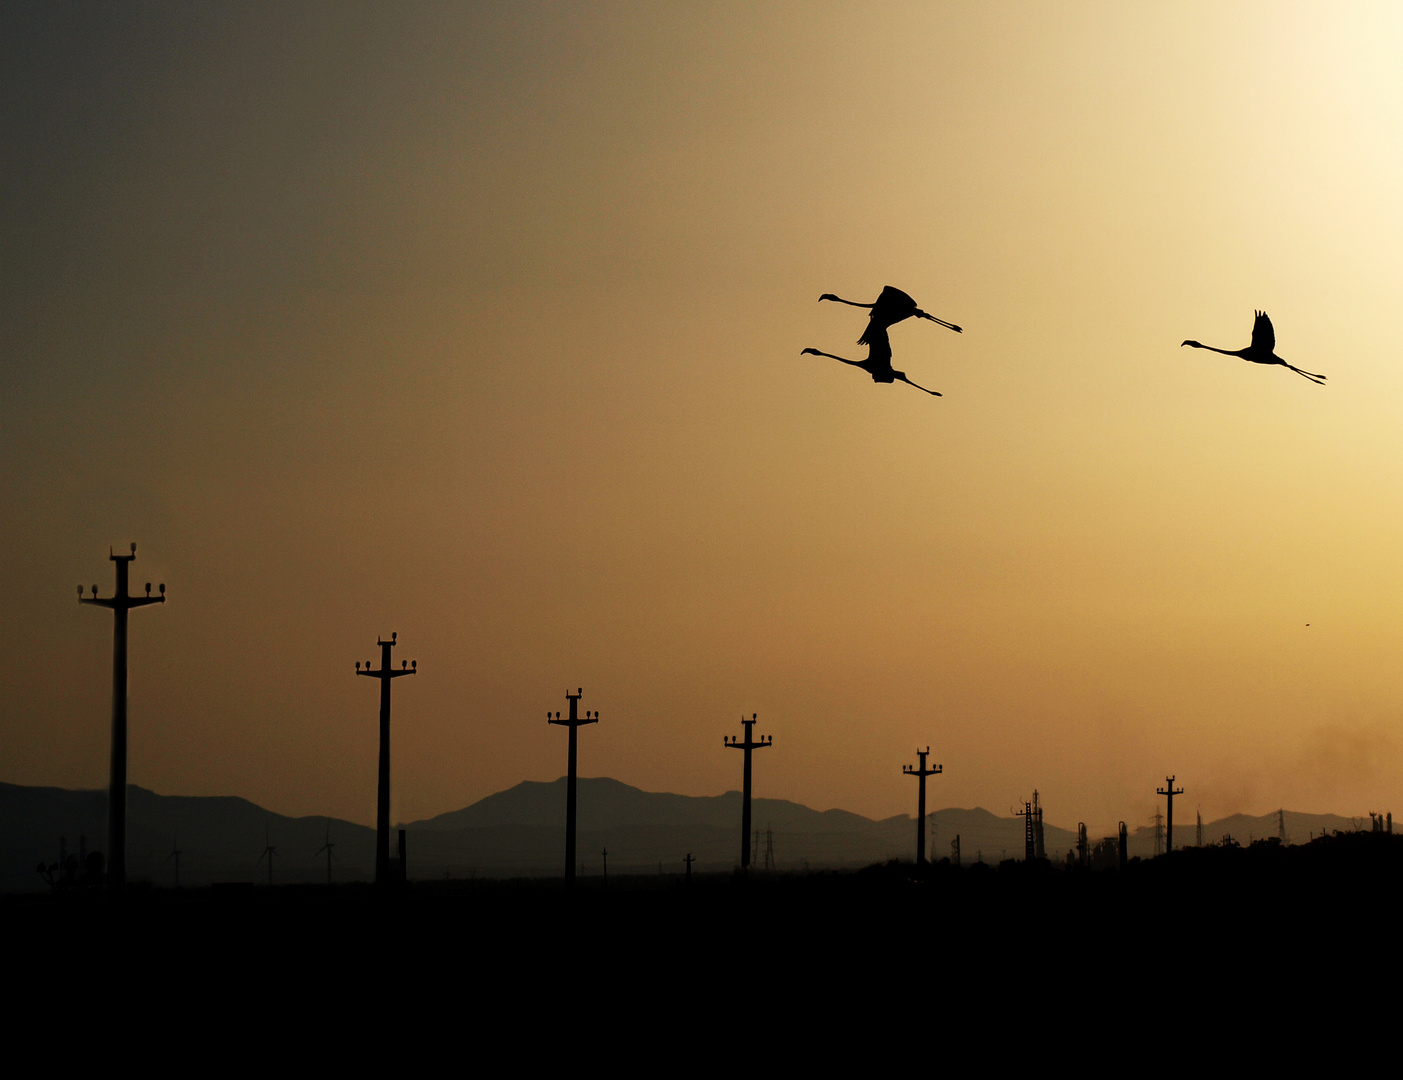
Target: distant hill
520	832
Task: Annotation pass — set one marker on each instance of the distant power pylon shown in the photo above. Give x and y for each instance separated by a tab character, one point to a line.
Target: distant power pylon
770	863
382	799
955	850
1158	819
921	772
1123	851
573	723
748	745
1169	792
1198	832
1030	844
1038	848
1281	826
120	604
1083	845
688	860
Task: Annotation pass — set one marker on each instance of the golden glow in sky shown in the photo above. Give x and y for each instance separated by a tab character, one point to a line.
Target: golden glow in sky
481	324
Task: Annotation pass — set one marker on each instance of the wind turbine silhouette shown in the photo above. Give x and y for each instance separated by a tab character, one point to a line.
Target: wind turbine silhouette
268	852
878	362
890	308
175	854
327	848
1262	349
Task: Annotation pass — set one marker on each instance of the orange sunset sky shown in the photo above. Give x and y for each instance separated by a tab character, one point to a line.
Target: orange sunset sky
481	323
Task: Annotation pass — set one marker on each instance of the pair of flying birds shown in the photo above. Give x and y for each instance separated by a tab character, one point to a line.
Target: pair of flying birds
893	305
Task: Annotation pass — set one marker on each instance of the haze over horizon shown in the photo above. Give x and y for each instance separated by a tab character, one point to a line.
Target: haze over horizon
481	324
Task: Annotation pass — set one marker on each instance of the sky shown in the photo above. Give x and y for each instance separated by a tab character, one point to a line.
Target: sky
481	324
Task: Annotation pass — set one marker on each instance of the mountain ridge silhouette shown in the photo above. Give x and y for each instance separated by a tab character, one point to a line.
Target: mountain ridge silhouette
520	832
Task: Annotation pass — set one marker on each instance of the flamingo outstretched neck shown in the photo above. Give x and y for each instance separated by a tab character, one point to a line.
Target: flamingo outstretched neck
1262	350
878	367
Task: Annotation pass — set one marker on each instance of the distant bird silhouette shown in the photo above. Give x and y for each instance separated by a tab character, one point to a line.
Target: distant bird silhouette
890	308
1262	349
878	362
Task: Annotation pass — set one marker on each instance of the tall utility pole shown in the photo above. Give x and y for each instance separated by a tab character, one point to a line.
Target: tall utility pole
1169	792
1039	851
572	723
1123	839
120	604
382	799
922	772
747	746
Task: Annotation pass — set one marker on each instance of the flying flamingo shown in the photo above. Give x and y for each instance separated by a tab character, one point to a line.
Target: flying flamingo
890	308
878	362
1261	351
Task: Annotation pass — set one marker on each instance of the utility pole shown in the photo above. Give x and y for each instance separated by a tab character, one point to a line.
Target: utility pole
382	799
1038	849
921	772
747	746
1169	791
606	866
120	604
1124	838
573	723
770	863
689	860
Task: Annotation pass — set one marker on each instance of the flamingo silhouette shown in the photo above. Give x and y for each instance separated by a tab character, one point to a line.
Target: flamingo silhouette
878	362
890	308
1262	349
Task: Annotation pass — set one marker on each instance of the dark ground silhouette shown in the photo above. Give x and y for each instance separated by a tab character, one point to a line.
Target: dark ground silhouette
1261	923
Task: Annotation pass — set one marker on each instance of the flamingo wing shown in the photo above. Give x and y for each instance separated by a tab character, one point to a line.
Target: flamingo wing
878	346
893	305
1263	336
